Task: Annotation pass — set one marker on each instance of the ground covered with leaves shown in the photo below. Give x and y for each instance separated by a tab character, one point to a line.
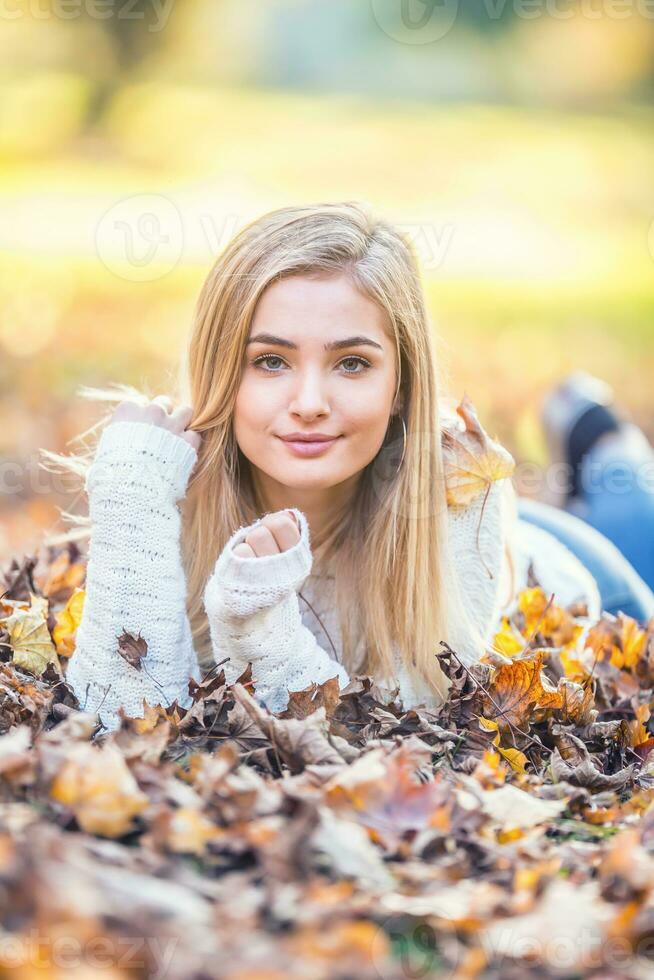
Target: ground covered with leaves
510	834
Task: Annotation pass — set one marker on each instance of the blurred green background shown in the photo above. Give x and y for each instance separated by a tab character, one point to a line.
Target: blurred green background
512	139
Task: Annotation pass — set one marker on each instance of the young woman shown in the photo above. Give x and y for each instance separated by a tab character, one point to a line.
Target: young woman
292	511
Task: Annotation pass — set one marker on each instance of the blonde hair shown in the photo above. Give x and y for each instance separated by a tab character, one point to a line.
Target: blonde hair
389	544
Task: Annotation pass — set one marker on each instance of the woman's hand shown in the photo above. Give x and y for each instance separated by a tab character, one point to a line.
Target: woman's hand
159	412
275	533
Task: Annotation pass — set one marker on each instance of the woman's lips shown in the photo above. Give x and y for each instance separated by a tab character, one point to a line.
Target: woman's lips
309	448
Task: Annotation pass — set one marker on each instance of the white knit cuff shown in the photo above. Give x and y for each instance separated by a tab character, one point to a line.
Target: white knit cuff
150	447
240	587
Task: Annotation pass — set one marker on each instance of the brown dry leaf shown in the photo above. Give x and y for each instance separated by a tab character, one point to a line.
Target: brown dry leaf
67	622
572	762
132	648
472	460
577	702
297	742
96	784
30	637
301	704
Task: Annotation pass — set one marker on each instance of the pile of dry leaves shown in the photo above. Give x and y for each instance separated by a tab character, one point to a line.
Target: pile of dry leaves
509	835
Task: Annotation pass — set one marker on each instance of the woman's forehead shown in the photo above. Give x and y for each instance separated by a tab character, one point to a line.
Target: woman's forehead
305	308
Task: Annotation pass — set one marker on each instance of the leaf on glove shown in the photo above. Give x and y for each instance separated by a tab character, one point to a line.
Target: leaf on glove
473	461
132	648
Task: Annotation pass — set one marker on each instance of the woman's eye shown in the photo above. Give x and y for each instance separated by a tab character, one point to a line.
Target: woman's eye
270	369
266	358
358	361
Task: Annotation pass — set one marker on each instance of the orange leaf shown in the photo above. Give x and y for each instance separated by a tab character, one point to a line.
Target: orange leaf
518	691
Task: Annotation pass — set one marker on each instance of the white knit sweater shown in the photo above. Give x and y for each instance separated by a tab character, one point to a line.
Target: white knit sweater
135	582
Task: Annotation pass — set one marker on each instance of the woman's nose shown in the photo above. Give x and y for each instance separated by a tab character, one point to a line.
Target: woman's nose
310	395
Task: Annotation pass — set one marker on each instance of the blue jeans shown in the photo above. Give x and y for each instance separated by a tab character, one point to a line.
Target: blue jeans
609	526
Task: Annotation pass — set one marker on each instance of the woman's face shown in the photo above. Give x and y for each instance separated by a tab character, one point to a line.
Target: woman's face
320	359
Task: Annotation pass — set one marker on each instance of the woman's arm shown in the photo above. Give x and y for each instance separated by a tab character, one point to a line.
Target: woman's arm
135	580
254	616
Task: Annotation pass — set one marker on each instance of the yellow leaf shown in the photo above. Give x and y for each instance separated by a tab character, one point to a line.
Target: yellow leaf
620	640
472	460
99	788
488	724
508	640
190	831
29	636
575	670
516	759
67	622
552	621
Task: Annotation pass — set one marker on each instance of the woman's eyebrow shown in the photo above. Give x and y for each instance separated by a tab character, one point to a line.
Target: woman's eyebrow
269	338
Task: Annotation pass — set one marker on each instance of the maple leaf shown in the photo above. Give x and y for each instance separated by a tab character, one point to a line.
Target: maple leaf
96	784
67	622
303	703
518	690
132	648
472	460
29	636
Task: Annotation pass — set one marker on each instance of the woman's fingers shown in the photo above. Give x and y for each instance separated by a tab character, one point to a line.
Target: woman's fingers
262	541
182	415
165	401
244	551
275	533
179	419
283	528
